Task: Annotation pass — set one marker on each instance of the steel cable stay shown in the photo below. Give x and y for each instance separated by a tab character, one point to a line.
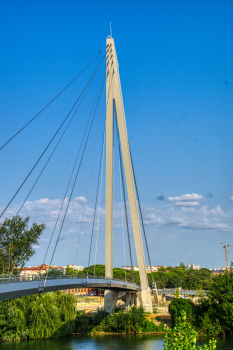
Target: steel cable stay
72	172
57	143
123	188
54	98
122	213
97	191
74	183
140	211
84	209
84	206
98	221
49	143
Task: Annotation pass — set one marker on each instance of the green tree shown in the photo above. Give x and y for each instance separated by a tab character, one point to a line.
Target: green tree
182	266
48	315
184	337
177	293
180	305
174	281
217	308
16	242
192	281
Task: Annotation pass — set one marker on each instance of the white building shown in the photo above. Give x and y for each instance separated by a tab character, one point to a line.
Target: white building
218	270
154	268
193	267
130	268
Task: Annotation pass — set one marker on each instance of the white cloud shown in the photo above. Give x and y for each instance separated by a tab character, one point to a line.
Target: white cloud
185	213
35	246
190	217
231	199
80	199
186	197
186	204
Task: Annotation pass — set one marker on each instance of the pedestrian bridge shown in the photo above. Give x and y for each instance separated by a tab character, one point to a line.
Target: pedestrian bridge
182	292
14	287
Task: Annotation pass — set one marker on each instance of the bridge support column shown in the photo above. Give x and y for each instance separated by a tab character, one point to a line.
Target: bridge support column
114	94
110	300
155	295
128	301
144	299
134	299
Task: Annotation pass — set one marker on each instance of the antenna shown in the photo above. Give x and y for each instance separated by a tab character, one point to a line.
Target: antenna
110	29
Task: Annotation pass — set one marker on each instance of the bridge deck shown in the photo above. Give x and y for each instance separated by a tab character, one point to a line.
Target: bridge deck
18	287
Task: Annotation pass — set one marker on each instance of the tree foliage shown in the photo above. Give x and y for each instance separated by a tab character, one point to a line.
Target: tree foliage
132	322
184	337
16	242
43	316
178	306
217	308
213	315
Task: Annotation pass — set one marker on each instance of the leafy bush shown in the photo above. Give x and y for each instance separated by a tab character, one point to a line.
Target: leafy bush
118	322
184	337
178	305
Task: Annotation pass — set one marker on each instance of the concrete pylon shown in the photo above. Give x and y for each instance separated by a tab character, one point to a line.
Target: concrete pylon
114	95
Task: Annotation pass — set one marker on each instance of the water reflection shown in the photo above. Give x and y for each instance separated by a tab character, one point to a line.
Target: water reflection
144	342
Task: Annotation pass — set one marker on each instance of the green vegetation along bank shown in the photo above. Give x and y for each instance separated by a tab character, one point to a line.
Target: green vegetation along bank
172	277
54	315
213	314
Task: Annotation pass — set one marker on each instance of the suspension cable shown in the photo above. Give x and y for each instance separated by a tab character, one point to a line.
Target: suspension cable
49	143
123	187
122	214
97	191
57	144
72	172
67	207
53	98
110	86
140	211
84	209
98	222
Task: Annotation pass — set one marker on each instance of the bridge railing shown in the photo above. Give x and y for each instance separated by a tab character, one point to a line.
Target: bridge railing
43	277
172	291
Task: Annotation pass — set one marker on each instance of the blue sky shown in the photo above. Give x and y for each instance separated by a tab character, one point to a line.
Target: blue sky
175	60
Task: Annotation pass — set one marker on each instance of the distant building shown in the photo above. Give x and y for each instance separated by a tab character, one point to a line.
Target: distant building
78	291
150	269
38	269
42	269
218	271
130	268
192	267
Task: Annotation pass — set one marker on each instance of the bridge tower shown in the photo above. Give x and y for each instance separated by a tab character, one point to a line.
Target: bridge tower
114	97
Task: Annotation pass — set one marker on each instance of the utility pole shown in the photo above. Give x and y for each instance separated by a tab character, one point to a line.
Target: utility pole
226	252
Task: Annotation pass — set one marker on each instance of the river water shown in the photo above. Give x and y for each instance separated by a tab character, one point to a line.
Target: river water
106	342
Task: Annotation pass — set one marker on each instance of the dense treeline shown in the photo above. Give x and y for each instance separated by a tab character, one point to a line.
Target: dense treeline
119	321
53	315
213	315
48	315
175	277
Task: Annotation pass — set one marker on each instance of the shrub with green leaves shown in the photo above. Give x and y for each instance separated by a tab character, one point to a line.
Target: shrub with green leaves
184	337
178	305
